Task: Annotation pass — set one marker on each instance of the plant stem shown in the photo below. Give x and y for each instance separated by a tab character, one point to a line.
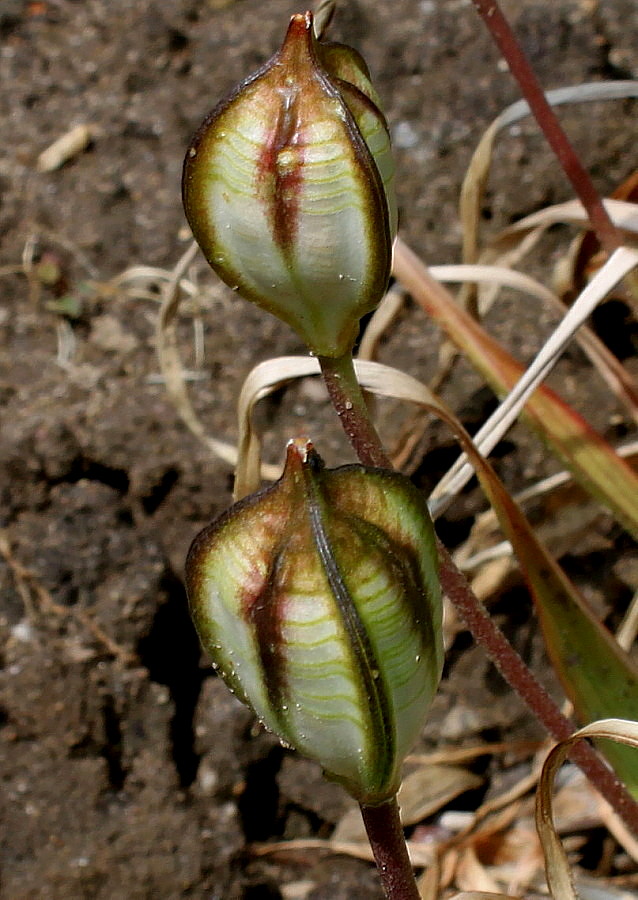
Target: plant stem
520	678
609	236
385	833
349	402
350	405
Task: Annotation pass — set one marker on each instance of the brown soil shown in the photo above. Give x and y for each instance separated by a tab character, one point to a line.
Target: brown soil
127	769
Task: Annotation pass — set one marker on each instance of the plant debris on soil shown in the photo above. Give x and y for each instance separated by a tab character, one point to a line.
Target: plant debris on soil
127	769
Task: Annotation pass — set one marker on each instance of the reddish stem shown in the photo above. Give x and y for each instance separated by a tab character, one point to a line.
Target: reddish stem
350	405
534	695
385	833
609	236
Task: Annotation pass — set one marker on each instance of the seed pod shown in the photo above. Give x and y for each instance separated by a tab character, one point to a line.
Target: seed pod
288	189
318	600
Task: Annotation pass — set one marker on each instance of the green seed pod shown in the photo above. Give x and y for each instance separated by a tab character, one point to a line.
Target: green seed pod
288	189
319	602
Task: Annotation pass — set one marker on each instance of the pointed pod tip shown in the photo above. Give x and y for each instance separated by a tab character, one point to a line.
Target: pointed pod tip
300	452
301	457
299	35
302	21
299	448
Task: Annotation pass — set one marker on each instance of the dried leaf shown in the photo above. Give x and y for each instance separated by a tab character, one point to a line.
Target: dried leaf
172	370
590	889
420	855
585	256
624	215
558	872
429	883
471	873
429	788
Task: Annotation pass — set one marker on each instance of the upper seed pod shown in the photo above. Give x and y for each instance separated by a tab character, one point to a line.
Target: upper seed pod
318	600
288	189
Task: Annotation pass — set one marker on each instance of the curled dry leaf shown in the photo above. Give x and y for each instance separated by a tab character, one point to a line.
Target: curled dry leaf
559	876
477	173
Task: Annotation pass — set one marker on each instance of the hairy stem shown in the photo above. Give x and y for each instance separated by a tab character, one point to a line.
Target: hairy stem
383	827
518	676
349	403
609	236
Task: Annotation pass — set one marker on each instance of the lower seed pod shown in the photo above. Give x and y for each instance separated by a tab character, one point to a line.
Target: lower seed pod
319	603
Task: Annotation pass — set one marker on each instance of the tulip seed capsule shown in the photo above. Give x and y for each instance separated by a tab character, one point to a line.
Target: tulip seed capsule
288	189
318	599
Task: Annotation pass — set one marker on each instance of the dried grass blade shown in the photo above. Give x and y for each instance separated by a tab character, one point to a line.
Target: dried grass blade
623	214
559	479
421	855
591	459
612	371
626	634
477	173
265	378
171	366
429	884
619	264
384	315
